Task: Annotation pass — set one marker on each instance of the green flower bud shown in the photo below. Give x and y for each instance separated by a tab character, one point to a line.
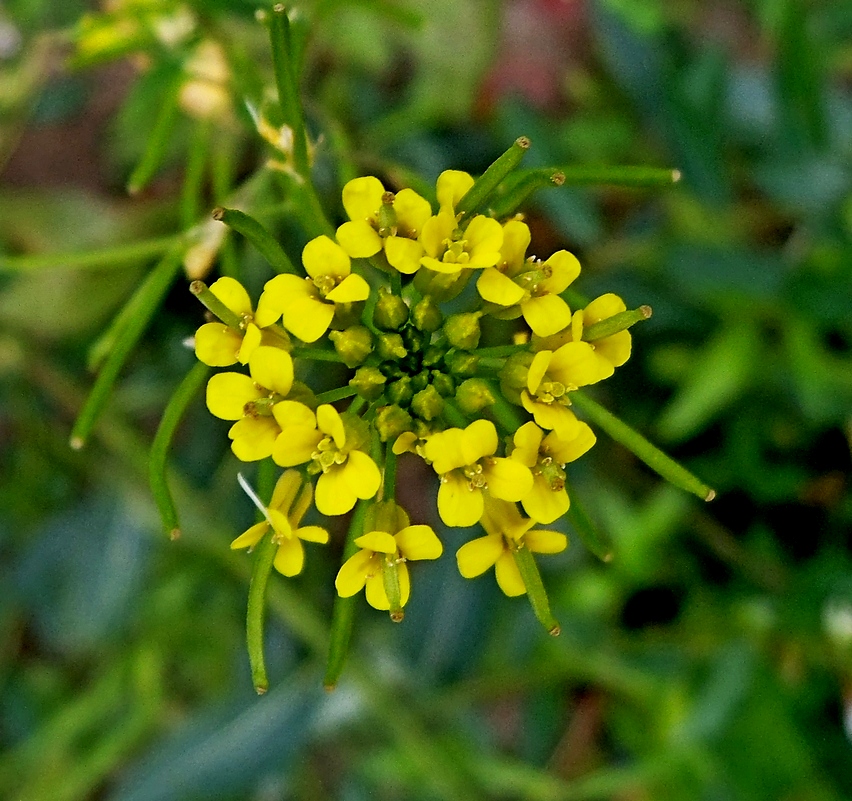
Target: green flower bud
421	380
352	345
390	347
461	363
427	404
441	286
391	421
391	311
426	315
462	330
433	356
368	382
357	432
443	383
400	391
513	375
414	340
474	395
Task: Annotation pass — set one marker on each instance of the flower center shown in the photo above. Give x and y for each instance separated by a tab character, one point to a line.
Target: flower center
325	283
326	456
475	477
456	252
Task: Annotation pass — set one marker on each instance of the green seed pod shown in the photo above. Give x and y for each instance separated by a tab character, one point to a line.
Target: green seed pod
390	347
474	395
391	311
443	383
427	404
426	315
369	382
391	421
400	391
462	330
352	345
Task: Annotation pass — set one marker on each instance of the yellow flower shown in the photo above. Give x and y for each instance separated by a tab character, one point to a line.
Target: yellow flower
533	286
284	514
308	305
380	219
464	460
611	351
448	249
382	551
323	439
507	532
251	401
546	456
552	375
220	345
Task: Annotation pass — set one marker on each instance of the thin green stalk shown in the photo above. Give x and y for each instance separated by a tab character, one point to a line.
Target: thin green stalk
487	183
389	482
343	613
499	351
336	394
651	177
593	538
117	256
146	301
518	191
506	415
193	180
535	590
658	461
618	322
453	415
252	230
173	414
317	355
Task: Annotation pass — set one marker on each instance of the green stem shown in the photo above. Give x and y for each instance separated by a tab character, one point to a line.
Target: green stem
317	355
618	322
145	301
117	256
453	415
343	613
173	414
261	568
193	181
594	539
535	590
485	185
658	461
389	484
499	351
215	306
252	230
336	394
506	415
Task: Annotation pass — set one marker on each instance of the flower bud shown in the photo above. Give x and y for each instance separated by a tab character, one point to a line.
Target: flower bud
391	421
391	311
390	347
441	286
352	345
427	404
462	330
426	315
443	383
474	395
433	356
368	382
513	375
400	391
421	380
461	363
413	339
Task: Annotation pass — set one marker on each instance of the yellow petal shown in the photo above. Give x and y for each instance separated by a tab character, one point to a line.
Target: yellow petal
485	237
361	474
614	349
403	254
286	489
476	556
233	294
497	288
295	445
553	416
480	439
353	573
508	576
419	542
253	438
349	290
217	345
272	368
435	231
362	197
269	307
543	504
564	269
379	541
412	211
323	256
312	534
228	393
507	479
334	496
251	342
251	536
330	422
503	518
602	308
290	557
451	187
280	523
292	414
538	368
458	504
446	267
445	450
527	440
567	450
539	541
308	319
279	294
301	504
516	240
359	239
377	595
546	314
575	365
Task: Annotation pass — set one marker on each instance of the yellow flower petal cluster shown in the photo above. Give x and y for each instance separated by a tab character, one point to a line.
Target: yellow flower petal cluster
284	516
506	532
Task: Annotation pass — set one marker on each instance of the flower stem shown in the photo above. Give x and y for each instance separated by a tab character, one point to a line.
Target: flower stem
336	394
343	613
317	355
593	538
658	461
485	185
389	484
175	409
261	568
535	590
252	230
193	182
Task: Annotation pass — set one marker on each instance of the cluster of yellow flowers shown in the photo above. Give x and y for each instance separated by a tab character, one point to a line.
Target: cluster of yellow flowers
391	298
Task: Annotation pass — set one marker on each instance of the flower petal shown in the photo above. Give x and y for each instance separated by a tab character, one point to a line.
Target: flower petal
228	393
445	450
359	239
527	440
553	416
458	504
330	422
253	438
543	504
567	450
480	439
451	187
564	268
362	197
290	558
508	576
498	288
233	294
435	231
378	541
295	445
334	496
272	368
516	240
323	256
350	289
308	318
286	489
361	474
575	365
251	536
251	342
412	211
353	573
485	237
507	479
419	542
292	414
279	293
217	345
312	534
476	556
403	254
540	363
614	349
539	541
546	314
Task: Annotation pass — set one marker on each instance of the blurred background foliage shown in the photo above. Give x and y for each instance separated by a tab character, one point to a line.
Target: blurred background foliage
711	659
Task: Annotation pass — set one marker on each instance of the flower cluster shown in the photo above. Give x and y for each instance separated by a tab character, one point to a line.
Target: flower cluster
457	346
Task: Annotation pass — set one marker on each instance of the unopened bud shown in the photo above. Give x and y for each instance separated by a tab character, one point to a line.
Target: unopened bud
462	330
391	421
443	383
390	347
352	345
400	391
413	339
441	286
461	363
368	382
513	375
427	404
426	315
421	380
391	311
474	395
